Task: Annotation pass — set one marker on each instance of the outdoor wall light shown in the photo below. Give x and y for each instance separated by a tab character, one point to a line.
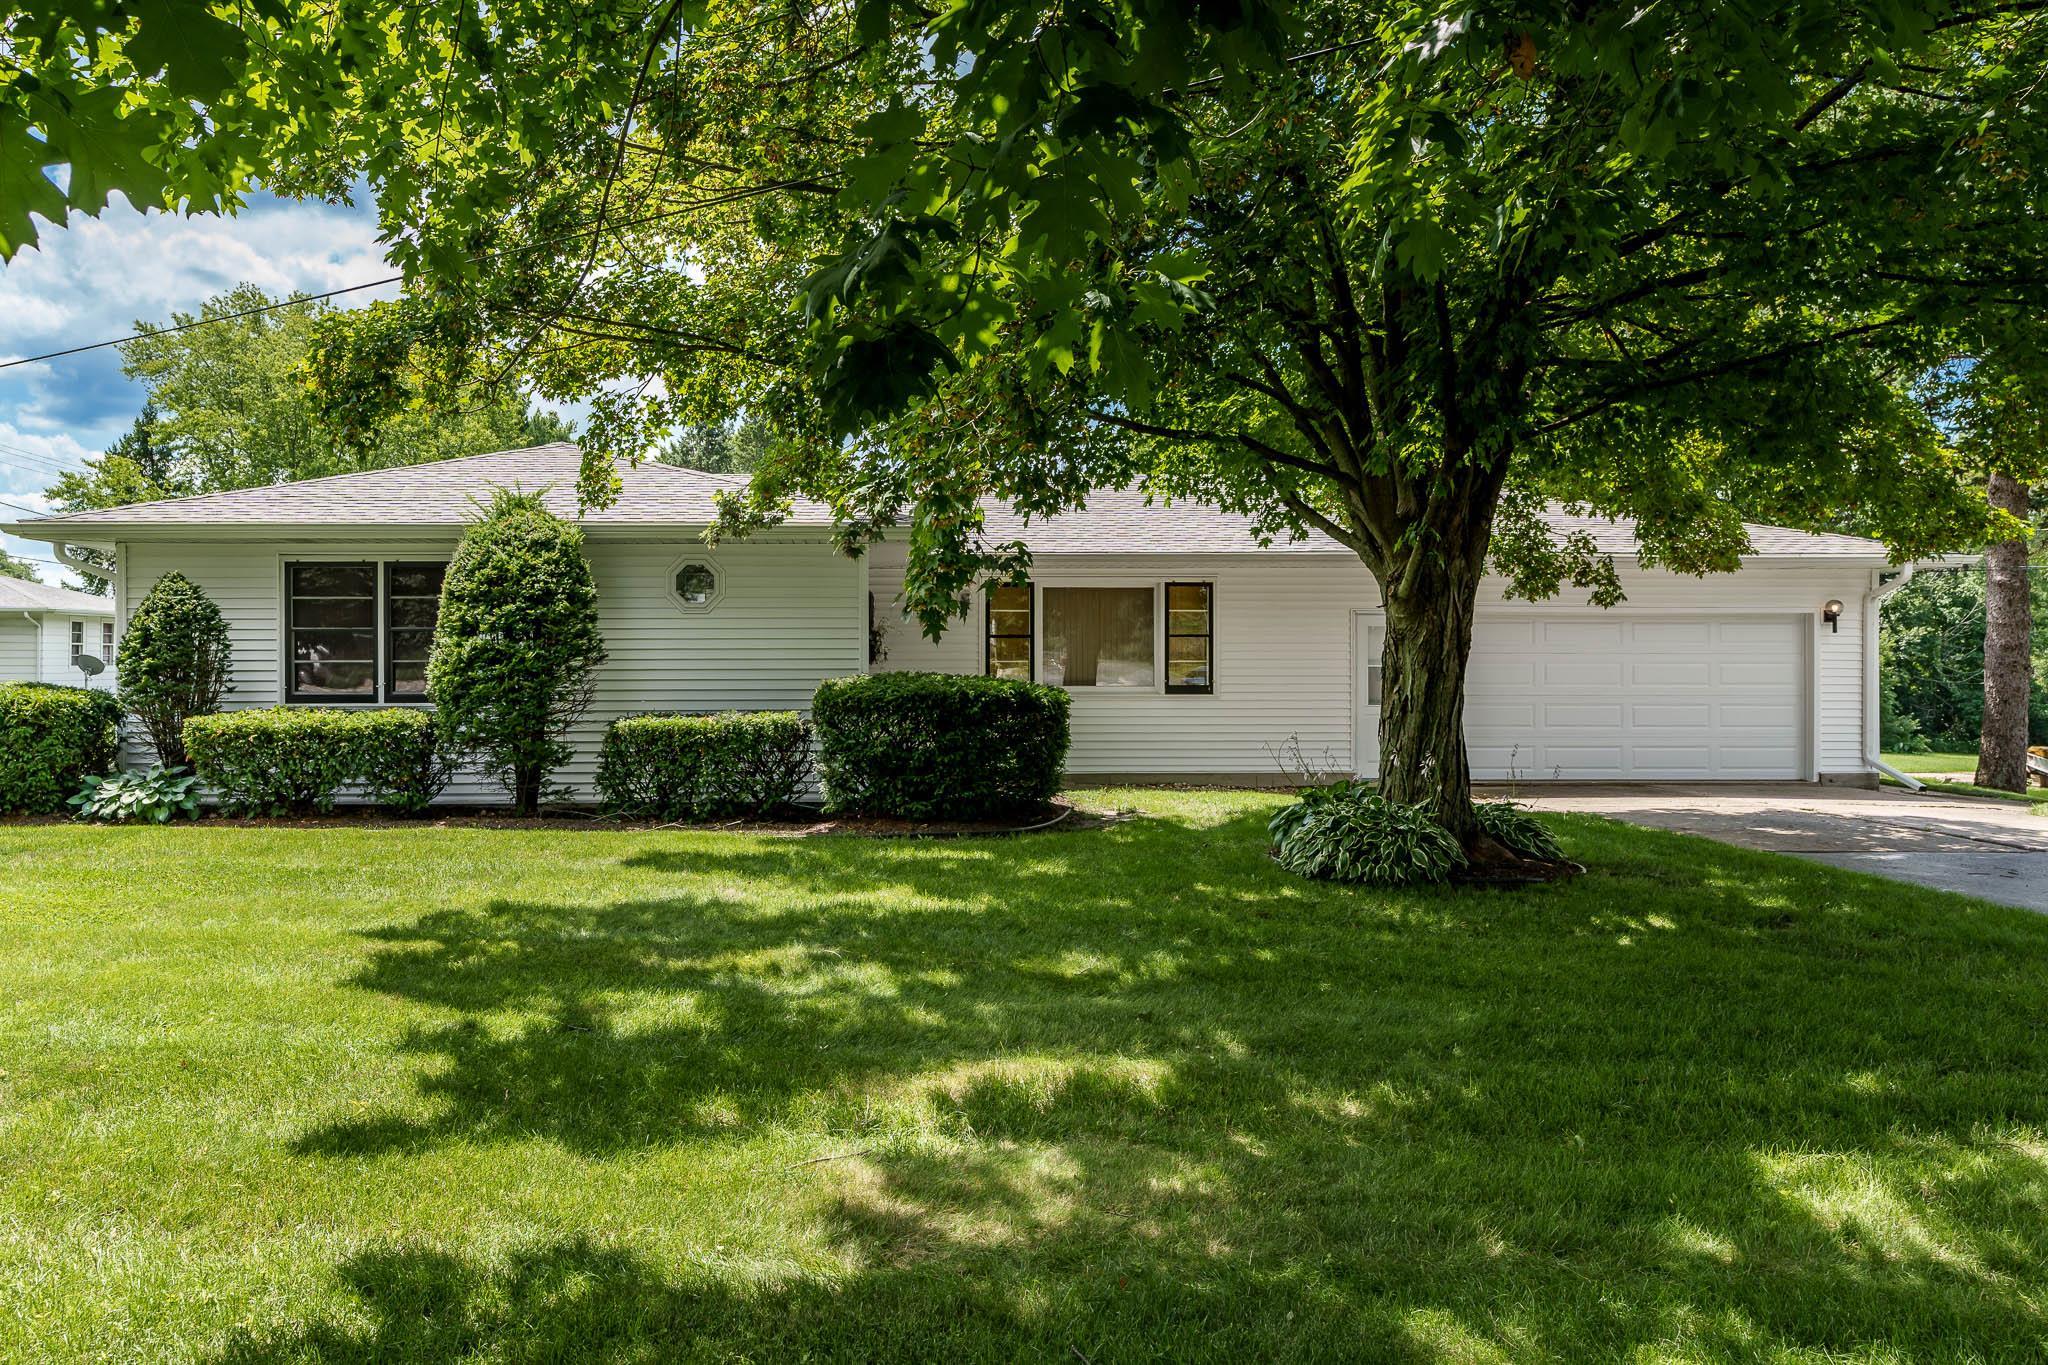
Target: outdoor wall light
1831	612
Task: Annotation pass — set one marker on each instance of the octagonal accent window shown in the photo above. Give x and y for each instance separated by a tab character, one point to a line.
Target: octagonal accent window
696	585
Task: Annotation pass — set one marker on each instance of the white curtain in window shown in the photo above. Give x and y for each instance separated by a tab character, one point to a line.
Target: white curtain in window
1098	637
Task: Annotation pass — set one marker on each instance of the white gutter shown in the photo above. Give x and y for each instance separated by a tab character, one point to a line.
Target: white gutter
1873	602
63	551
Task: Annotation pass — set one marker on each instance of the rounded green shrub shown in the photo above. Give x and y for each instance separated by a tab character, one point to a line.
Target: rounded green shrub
173	663
927	746
704	767
400	759
51	739
281	760
517	644
1348	832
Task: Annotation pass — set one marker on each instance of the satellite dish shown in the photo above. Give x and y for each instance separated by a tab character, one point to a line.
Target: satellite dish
89	664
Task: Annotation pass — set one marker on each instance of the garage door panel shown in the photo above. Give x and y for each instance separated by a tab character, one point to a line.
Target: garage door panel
1570	671
1751	672
1602	716
1631	698
1766	632
1672	673
1772	716
1502	634
1671	635
1691	716
1564	633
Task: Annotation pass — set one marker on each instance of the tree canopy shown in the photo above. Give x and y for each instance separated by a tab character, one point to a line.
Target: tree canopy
1398	273
227	406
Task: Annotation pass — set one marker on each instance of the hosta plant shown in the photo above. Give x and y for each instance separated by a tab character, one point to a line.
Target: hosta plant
1516	827
154	797
1348	832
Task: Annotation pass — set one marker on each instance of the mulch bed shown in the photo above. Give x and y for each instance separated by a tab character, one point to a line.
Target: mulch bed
1054	816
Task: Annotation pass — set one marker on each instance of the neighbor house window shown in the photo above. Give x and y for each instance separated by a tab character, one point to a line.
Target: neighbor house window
1009	631
1190	611
360	631
77	640
1098	637
106	642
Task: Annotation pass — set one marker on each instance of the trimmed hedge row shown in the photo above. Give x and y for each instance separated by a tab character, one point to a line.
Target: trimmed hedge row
51	739
673	767
291	759
928	746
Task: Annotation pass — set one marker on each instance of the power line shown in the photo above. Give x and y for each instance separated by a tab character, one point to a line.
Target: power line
353	288
197	322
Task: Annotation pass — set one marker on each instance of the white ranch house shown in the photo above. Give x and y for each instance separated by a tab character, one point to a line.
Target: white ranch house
1190	650
44	629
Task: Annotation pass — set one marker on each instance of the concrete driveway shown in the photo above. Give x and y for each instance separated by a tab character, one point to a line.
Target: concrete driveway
1997	850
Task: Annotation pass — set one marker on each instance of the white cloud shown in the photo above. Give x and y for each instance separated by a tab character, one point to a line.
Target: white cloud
92	281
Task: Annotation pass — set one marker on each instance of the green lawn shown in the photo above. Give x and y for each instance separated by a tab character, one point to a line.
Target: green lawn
1933	762
433	1094
2037	795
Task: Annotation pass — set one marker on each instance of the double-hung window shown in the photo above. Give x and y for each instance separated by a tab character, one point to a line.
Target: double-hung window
1141	638
360	631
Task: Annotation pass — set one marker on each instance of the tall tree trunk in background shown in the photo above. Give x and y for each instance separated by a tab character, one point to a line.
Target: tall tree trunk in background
2008	639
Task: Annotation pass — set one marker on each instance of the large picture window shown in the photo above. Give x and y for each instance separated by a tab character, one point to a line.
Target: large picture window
360	631
1009	631
1098	637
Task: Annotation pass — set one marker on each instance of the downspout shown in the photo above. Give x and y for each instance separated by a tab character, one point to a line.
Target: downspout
65	556
1873	601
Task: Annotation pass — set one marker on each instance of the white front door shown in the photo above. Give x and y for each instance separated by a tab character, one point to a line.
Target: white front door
1368	639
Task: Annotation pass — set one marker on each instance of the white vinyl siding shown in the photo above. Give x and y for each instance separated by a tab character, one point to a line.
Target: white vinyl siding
18	636
790	614
1283	654
56	649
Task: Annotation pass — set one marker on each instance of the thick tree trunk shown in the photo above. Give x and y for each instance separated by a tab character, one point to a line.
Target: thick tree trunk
2008	639
1422	700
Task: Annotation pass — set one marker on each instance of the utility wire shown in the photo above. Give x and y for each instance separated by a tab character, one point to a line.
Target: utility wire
196	322
349	289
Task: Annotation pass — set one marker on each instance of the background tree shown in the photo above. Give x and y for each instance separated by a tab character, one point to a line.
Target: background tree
11	567
517	645
1393	272
227	406
738	445
1931	663
1995	403
173	663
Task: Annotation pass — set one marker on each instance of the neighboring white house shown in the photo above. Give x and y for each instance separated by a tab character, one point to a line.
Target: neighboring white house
43	631
1190	650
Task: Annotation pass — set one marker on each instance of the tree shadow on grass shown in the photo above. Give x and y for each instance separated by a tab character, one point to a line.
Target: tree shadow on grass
1138	1092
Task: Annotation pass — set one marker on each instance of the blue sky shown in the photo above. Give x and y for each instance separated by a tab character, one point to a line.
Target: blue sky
95	278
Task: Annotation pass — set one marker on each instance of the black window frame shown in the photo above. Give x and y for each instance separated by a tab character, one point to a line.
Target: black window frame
387	670
1029	637
1207	637
383	666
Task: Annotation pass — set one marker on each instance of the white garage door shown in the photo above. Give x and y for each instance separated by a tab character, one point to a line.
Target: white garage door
1585	698
1633	697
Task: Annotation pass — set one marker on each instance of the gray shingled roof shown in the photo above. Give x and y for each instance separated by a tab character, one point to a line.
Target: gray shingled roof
447	493
19	594
444	493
